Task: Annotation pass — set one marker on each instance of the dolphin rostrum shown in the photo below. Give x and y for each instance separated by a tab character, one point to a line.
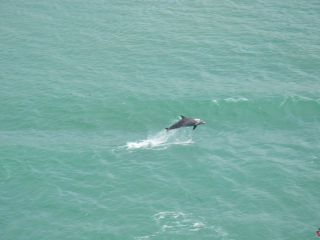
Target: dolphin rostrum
186	122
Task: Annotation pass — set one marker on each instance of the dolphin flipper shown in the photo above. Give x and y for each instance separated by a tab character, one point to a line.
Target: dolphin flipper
194	127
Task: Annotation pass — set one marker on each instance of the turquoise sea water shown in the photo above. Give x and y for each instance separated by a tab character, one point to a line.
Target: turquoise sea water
88	88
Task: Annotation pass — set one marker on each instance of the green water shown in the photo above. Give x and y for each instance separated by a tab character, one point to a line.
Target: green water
88	88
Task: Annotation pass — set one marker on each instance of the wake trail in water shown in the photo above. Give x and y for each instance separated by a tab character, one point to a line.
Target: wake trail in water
161	140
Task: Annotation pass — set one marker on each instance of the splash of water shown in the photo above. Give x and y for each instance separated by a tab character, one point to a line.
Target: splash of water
162	140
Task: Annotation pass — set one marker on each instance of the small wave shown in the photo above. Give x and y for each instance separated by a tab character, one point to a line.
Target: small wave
298	99
162	140
229	100
236	100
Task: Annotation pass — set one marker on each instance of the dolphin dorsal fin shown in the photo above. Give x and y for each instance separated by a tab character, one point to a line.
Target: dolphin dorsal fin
182	116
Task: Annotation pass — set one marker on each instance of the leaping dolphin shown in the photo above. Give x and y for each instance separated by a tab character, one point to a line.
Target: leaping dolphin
186	122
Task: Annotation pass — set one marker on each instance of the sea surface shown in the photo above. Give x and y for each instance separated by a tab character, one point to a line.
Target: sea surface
87	89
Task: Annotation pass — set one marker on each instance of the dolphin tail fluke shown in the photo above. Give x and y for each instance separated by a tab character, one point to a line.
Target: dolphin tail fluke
167	129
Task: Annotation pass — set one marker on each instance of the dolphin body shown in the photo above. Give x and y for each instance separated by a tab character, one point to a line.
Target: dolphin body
186	122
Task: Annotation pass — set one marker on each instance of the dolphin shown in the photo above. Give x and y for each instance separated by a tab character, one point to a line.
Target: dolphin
186	122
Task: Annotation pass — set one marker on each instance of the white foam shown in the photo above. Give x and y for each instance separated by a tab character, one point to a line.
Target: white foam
236	100
163	139
215	102
176	222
